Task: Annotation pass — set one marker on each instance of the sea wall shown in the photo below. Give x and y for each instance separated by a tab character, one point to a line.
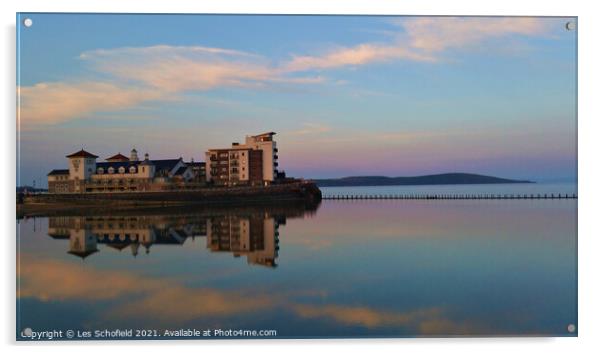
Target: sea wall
305	192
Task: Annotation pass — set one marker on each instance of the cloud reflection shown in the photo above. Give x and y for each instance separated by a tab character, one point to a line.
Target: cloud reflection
170	303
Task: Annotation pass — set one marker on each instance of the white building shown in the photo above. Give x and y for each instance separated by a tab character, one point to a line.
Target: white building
254	162
119	173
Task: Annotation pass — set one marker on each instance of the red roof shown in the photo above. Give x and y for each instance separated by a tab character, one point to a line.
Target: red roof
118	157
82	153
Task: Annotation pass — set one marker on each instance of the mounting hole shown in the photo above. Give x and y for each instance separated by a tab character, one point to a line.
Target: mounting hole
27	22
570	26
571	328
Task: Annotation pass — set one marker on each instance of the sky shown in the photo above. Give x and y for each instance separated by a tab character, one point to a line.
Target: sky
346	95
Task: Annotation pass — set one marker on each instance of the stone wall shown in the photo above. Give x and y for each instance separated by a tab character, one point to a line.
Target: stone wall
289	191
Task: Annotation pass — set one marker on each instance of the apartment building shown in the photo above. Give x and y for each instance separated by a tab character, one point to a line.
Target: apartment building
255	162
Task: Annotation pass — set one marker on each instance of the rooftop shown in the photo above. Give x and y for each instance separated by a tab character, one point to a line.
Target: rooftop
159	164
82	153
118	157
58	172
264	134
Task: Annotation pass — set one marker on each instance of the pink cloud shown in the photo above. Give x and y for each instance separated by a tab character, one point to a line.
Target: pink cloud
433	34
57	102
358	55
140	74
183	68
420	38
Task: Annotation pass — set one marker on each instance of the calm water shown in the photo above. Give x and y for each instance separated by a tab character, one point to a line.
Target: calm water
499	189
349	268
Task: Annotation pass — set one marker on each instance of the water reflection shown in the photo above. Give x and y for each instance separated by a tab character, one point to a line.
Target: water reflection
349	269
253	236
248	232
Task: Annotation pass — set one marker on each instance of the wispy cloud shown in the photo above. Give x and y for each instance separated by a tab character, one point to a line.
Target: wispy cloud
51	103
173	68
422	39
133	75
435	34
193	68
358	55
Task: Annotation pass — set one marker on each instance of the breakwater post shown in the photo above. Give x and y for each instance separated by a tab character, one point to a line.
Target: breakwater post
447	196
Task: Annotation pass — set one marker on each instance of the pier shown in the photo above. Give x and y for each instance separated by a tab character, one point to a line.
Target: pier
448	196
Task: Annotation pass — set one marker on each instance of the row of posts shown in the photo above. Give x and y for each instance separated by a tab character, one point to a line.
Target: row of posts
451	196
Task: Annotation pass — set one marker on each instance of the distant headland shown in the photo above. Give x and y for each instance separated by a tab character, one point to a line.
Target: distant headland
444	178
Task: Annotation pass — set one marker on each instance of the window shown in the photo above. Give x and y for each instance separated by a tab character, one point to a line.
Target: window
111	170
101	170
121	169
132	169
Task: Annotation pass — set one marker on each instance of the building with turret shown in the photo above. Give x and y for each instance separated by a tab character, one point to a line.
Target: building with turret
253	163
120	173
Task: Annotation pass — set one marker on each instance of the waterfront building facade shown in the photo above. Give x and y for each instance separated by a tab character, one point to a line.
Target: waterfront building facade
253	163
122	174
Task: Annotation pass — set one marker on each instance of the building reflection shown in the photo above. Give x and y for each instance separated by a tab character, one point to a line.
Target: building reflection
245	232
253	236
85	233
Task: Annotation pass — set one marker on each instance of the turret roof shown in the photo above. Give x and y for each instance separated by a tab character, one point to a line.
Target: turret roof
81	153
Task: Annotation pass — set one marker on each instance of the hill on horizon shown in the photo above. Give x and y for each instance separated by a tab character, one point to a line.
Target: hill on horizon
443	178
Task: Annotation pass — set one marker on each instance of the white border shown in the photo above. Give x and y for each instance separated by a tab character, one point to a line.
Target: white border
589	167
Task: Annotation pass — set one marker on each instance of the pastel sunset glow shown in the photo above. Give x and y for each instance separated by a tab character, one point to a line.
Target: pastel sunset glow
346	95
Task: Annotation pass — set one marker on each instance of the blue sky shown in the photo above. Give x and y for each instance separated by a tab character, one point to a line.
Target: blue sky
347	95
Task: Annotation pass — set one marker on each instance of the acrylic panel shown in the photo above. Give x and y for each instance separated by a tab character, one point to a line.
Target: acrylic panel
189	176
